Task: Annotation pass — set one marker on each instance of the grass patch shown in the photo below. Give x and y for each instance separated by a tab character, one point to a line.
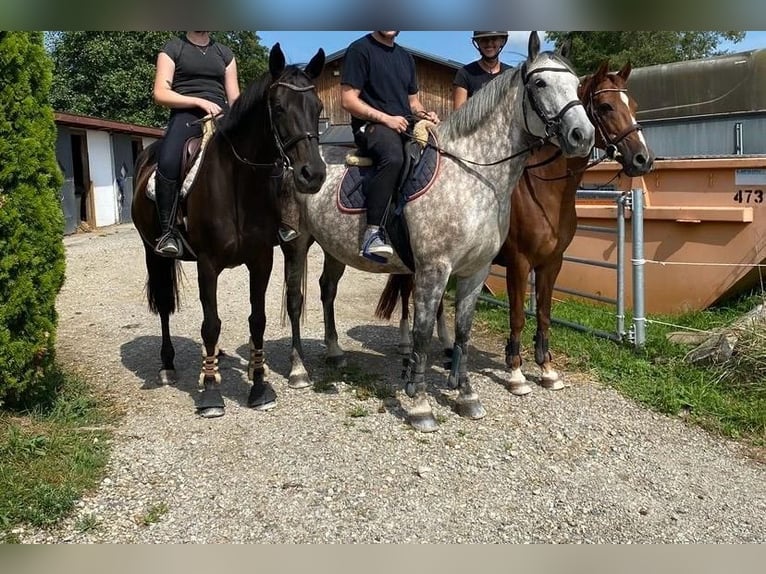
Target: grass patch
658	375
364	384
358	411
153	514
51	454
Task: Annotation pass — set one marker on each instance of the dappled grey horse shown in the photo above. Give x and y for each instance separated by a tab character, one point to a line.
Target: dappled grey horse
457	227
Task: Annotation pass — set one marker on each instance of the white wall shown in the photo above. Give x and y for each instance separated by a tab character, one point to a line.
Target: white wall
101	166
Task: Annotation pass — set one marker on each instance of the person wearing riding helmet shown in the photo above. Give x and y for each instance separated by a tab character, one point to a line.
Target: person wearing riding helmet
475	75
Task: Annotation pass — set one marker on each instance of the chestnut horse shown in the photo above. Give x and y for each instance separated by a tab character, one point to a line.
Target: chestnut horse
232	212
543	223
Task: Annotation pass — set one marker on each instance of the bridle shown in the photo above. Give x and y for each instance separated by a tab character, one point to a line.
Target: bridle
552	125
611	144
610	149
283	163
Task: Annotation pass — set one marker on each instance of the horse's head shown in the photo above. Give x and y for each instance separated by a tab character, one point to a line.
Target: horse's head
294	109
552	109
613	112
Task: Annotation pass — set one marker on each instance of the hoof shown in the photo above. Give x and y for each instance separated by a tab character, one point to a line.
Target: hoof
262	397
299	380
519	389
211	413
423	422
168	377
470	408
404	350
336	362
556	385
448	352
210	403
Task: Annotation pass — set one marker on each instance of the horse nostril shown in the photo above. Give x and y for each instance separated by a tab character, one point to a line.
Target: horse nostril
639	160
306	173
576	135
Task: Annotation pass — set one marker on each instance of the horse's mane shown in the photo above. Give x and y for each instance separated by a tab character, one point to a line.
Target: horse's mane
466	119
253	96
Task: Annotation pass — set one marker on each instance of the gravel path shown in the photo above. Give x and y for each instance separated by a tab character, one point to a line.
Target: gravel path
579	465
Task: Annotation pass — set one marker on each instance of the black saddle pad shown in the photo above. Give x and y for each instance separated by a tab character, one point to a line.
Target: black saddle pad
351	197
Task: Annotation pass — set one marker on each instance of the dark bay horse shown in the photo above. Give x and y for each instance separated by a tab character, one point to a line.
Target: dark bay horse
232	212
458	226
544	220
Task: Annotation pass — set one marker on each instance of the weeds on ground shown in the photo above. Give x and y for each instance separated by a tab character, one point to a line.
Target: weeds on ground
50	455
658	375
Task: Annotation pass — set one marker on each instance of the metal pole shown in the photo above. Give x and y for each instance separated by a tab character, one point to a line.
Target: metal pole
637	224
621	265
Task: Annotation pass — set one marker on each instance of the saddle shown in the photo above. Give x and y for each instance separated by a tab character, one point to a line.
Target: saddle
190	160
421	163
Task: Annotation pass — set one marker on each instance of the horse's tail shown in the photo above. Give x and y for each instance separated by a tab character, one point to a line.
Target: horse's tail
161	283
395	288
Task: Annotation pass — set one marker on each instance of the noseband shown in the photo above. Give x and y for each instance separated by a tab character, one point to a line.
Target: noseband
611	144
552	125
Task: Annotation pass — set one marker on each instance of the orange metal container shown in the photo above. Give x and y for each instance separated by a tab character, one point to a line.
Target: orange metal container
704	228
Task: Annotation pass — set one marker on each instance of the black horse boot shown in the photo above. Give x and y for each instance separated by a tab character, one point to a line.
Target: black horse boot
166	198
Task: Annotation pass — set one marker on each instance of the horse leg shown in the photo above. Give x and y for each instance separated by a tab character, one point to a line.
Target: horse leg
516	278
405	336
545	278
162	295
429	288
443	331
262	395
295	253
210	403
467	294
332	271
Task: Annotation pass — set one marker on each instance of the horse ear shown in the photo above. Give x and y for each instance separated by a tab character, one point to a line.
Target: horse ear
625	71
565	49
603	69
316	65
534	46
276	61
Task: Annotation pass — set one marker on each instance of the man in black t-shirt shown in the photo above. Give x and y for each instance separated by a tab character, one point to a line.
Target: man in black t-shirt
471	77
379	89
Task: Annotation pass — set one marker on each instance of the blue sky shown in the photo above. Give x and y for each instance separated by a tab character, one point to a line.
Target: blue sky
300	46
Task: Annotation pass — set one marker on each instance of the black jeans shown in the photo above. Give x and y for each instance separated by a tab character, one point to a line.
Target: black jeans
176	134
385	147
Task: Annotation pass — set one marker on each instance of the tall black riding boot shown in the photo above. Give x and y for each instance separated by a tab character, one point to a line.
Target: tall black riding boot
166	194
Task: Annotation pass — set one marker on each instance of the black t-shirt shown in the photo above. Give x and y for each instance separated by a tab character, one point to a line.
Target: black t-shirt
384	74
199	71
472	77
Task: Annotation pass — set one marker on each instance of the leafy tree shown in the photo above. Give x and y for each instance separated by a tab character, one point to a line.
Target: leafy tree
110	74
31	221
589	49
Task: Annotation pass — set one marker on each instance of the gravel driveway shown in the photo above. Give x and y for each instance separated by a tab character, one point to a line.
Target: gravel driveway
579	465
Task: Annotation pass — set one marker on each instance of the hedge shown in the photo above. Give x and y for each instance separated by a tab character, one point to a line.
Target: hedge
31	219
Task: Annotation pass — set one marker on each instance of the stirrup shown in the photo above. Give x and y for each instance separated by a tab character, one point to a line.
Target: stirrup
168	245
287	234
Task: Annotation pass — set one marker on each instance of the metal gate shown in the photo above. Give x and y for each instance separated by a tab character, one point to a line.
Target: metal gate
636	334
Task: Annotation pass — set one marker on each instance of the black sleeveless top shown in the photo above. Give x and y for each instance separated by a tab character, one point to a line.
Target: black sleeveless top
472	77
199	71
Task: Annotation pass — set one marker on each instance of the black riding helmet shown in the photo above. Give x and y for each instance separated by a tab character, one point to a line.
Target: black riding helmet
477	35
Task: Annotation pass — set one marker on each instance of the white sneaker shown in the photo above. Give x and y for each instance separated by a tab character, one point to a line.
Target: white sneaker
374	245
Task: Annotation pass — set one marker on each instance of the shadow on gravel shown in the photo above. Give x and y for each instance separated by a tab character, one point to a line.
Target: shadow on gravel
142	357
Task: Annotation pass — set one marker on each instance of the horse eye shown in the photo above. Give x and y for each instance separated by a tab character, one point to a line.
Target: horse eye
540	83
604	108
